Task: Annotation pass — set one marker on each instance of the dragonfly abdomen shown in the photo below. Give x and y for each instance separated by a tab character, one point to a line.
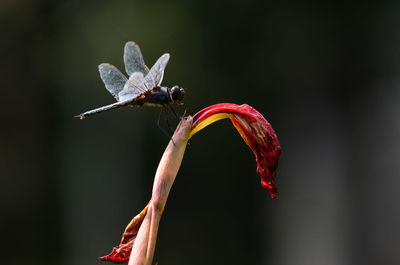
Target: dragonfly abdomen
102	109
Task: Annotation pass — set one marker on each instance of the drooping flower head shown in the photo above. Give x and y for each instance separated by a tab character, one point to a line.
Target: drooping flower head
255	131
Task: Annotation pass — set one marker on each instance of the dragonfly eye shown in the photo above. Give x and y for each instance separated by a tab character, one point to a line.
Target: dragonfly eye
177	94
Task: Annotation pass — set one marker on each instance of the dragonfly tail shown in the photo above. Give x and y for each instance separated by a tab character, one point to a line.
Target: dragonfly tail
102	109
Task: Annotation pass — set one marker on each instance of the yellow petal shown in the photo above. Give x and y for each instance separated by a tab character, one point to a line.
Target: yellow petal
213	118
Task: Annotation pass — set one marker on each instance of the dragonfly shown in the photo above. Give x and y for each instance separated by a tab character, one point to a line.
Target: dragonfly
143	86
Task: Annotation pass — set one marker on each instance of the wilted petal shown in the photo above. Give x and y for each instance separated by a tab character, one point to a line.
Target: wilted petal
121	253
256	132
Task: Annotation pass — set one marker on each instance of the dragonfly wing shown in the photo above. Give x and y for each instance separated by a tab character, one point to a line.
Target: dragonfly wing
133	88
112	78
156	73
133	59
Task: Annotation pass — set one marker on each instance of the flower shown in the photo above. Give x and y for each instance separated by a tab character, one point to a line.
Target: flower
139	239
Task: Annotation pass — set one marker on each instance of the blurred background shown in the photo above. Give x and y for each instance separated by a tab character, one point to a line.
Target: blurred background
325	75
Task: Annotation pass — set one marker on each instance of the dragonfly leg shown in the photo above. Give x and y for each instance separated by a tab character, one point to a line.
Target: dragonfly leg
176	115
159	126
167	120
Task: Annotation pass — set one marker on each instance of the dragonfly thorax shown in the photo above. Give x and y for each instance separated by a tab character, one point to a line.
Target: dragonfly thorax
157	96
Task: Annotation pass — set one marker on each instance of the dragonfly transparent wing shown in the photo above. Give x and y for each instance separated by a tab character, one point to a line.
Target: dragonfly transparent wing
133	59
133	88
156	73
112	78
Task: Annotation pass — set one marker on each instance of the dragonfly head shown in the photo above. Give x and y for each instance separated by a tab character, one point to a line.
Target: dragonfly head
177	94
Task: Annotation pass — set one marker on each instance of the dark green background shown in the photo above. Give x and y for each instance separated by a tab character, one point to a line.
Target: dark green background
325	75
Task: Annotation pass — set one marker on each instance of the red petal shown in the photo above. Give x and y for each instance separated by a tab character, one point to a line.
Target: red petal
214	109
119	254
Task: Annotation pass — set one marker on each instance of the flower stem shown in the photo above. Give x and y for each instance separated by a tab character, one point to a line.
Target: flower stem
143	249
